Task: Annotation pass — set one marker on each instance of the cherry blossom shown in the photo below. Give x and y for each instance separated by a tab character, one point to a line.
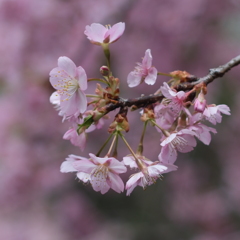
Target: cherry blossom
76	139
182	141
70	82
177	115
213	113
163	116
202	132
143	72
99	34
102	173
150	172
175	100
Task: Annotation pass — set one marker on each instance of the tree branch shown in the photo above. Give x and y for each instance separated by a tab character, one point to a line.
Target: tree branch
186	86
213	74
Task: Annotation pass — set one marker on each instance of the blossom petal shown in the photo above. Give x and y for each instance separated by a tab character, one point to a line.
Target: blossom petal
133	182
191	141
224	109
115	182
116	166
82	78
156	169
168	154
67	65
116	31
84	166
95	32
99	182
98	160
55	98
129	161
67	166
75	157
147	59
168	139
152	76
81	100
134	79
167	91
85	177
76	139
57	77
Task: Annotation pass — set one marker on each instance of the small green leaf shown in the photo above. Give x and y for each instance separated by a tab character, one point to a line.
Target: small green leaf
88	121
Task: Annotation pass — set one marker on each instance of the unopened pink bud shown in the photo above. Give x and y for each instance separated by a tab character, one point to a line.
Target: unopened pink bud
104	70
200	103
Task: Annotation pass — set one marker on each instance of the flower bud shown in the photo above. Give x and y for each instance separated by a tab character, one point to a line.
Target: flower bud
104	70
200	103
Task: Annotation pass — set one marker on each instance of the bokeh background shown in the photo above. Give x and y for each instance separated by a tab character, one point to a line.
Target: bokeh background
200	201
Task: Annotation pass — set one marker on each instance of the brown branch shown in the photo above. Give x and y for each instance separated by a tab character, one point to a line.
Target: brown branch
137	102
186	86
213	74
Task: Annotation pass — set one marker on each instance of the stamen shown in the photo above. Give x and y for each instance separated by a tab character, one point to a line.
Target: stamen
179	143
147	180
100	174
108	26
67	85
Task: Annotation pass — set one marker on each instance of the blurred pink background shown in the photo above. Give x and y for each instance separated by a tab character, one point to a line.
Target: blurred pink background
200	201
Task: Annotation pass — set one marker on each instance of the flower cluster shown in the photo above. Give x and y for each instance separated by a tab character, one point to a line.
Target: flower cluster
178	115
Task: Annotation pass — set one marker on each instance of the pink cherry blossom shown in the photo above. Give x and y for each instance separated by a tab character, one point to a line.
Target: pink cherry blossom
70	82
182	141
143	72
202	132
76	139
99	34
149	173
102	173
213	113
175	100
163	116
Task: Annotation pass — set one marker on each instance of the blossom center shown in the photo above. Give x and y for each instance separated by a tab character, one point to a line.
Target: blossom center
100	173
139	69
179	143
67	85
147	180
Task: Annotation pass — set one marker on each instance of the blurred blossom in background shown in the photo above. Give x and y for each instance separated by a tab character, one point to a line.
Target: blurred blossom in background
200	201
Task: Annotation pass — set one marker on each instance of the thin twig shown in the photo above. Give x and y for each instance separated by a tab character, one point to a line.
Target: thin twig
213	74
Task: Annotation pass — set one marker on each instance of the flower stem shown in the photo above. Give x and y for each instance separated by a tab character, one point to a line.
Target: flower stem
99	80
140	145
115	148
132	152
93	96
165	132
112	144
104	145
107	54
164	74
